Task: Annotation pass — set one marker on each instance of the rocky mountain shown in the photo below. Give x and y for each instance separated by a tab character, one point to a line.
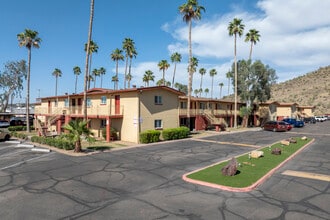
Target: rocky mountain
311	89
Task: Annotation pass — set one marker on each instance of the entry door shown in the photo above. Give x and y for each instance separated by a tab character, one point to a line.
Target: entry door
117	104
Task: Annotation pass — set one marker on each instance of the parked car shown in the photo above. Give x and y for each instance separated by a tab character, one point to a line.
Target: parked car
288	126
320	118
275	126
4	135
14	121
310	120
4	124
294	122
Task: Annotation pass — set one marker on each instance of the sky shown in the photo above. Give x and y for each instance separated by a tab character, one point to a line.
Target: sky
294	39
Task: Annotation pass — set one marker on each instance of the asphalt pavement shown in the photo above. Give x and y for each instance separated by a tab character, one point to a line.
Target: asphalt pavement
145	182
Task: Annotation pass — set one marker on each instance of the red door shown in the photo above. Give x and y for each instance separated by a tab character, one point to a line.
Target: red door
117	104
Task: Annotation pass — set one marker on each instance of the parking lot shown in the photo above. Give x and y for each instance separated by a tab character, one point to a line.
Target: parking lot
145	182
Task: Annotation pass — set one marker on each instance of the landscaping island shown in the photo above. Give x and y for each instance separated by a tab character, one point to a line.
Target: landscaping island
251	171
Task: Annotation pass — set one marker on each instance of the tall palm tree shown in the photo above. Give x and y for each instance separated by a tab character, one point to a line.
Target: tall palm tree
95	74
129	49
148	76
220	85
93	48
175	58
235	28
252	36
212	72
57	73
114	79
190	10
202	72
116	56
77	72
228	76
128	79
196	91
28	39
77	129
163	65
86	78
206	91
102	72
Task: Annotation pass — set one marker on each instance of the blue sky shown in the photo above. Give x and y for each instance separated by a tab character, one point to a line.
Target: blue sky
294	38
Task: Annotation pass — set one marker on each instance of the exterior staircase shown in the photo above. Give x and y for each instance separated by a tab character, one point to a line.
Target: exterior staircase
214	120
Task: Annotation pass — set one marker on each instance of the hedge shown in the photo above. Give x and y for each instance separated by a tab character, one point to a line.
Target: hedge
175	133
60	142
19	128
149	136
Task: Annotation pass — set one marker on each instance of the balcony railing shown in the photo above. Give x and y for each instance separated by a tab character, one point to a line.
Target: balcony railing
194	112
74	110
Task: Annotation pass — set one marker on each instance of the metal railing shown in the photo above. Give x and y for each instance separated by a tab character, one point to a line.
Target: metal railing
78	110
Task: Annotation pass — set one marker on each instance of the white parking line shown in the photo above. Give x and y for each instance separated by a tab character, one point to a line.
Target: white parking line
24	161
13	153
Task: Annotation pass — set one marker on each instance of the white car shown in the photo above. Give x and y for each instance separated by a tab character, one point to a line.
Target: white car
320	118
4	124
4	135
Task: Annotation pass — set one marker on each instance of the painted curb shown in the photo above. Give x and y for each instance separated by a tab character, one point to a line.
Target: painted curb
13	142
25	145
40	150
244	189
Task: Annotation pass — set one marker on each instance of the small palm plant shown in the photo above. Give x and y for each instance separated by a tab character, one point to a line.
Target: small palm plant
77	130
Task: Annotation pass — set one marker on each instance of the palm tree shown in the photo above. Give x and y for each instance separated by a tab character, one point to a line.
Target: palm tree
102	72
116	56
228	76
129	48
202	71
212	72
148	76
28	39
196	91
163	65
77	129
93	48
129	78
235	28
206	91
95	74
162	83
114	79
220	85
175	58
190	10
57	73
86	78
252	36
77	72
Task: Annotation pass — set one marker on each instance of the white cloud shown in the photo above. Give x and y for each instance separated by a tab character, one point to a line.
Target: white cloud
294	36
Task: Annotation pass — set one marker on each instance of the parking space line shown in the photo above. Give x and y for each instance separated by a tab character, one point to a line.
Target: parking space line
15	152
230	143
24	161
308	175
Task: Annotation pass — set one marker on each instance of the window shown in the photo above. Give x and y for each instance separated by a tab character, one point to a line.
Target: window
103	123
158	124
66	102
158	100
89	102
183	105
103	100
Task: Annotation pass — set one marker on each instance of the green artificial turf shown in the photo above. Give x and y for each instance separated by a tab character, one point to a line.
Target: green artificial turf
250	170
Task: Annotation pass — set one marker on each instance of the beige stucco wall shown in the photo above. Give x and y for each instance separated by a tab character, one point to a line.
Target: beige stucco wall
167	111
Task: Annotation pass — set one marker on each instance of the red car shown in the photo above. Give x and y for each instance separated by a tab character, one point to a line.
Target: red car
275	126
288	126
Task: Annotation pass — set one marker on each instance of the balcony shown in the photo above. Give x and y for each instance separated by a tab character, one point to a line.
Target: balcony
217	112
78	110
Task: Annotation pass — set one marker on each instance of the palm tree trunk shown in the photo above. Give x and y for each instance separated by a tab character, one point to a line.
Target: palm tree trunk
163	77
250	56
200	87
212	88
75	87
125	72
189	76
87	57
89	71
28	93
116	82
173	75
235	108
56	85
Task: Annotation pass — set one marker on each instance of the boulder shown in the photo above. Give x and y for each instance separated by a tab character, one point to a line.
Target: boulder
231	168
276	151
292	140
304	138
285	142
256	154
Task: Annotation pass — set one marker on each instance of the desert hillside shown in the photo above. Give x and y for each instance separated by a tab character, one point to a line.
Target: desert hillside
311	89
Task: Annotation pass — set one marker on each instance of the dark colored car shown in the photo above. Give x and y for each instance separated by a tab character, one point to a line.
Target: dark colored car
294	122
14	121
310	120
275	126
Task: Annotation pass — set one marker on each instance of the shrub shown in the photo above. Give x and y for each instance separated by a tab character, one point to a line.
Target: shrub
113	133
18	135
19	128
175	133
149	136
61	142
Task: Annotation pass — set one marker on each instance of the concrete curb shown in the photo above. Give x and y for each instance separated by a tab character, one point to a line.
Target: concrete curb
13	142
245	189
25	145
41	150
